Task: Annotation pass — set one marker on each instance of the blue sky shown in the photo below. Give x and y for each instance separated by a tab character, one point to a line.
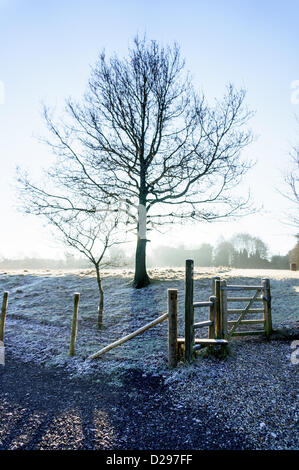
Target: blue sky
47	48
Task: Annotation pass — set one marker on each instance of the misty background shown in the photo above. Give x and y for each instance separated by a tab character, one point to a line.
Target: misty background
241	251
46	50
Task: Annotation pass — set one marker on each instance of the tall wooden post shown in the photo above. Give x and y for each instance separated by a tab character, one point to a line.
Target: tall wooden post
216	278
172	327
266	293
189	311
3	315
212	317
223	310
217	308
74	325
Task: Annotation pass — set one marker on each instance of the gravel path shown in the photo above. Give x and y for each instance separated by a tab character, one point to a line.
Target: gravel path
44	409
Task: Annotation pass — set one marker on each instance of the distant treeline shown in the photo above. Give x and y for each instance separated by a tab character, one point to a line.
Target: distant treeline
241	251
70	262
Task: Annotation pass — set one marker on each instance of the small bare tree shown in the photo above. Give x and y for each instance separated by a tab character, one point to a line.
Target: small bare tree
92	234
144	141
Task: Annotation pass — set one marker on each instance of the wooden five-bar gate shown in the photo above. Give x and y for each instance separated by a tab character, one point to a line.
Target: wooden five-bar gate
225	322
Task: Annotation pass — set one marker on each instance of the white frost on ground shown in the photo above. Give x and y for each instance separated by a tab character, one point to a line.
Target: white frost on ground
41	301
253	391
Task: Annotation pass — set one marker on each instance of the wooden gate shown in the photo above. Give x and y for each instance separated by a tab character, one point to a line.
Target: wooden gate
224	321
236	321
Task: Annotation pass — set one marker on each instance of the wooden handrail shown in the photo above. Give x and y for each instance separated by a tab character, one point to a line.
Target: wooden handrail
128	337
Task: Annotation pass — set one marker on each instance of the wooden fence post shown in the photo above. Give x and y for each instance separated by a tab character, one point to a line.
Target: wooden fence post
212	317
215	279
217	308
223	310
3	315
172	327
189	311
74	324
266	293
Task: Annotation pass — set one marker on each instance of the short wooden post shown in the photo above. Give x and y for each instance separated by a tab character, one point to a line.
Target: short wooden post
189	311
266	293
172	327
217	308
3	315
74	324
293	267
212	316
223	310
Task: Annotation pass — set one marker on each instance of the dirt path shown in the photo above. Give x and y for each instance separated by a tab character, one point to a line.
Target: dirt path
44	409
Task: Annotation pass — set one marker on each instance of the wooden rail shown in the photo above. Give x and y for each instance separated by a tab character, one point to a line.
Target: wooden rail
128	337
243	299
201	324
240	310
202	304
237	288
247	322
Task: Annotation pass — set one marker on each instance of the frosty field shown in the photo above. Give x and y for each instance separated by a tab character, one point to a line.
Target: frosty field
129	398
40	312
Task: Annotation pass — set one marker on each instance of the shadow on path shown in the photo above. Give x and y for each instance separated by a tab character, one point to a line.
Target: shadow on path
44	409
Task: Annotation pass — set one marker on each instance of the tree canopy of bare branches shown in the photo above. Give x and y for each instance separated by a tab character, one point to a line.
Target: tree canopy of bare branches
143	142
291	181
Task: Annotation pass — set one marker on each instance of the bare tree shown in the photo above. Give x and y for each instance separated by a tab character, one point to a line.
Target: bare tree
291	180
145	143
92	235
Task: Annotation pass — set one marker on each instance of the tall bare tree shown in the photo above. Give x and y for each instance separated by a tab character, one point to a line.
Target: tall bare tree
144	142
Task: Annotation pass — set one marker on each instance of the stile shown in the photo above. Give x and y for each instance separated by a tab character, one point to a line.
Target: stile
189	311
172	327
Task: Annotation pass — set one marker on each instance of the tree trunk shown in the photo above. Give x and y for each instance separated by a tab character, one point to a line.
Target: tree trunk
141	278
101	302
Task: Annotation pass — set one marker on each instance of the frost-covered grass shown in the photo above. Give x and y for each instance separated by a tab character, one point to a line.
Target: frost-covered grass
41	303
251	392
